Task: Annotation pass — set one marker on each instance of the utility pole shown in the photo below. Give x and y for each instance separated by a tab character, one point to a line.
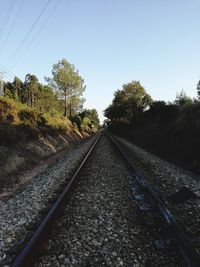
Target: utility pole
2	73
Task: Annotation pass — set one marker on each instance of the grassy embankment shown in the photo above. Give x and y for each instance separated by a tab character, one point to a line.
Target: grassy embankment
27	136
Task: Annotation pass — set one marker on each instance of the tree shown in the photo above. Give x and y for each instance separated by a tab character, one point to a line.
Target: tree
12	90
158	104
128	103
18	85
92	115
69	83
182	99
9	90
106	123
76	105
30	89
198	90
46	100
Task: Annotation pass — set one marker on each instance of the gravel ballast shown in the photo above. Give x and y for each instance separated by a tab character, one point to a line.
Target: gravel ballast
173	183
20	215
101	225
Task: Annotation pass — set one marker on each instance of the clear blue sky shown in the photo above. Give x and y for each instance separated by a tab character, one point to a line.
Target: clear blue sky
111	42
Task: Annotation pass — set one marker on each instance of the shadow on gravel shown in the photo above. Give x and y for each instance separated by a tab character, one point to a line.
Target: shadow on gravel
182	195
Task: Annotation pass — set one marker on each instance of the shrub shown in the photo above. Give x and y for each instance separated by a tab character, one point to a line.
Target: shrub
28	116
77	120
86	124
18	121
41	120
8	111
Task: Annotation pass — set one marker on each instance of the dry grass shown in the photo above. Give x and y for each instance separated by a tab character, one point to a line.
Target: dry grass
18	122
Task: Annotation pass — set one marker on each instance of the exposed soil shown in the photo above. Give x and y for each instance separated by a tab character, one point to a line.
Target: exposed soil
20	163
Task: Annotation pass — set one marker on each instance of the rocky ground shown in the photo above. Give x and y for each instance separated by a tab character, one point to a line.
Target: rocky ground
21	157
20	214
102	225
180	189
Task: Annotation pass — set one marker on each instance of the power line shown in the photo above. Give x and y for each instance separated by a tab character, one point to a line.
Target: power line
8	72
6	19
31	28
38	32
12	26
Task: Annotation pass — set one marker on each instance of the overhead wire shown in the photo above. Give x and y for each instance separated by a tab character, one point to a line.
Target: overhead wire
38	32
8	72
19	47
12	26
6	19
4	67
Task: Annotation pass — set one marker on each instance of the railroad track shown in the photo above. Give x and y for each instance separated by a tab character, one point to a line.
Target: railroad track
187	251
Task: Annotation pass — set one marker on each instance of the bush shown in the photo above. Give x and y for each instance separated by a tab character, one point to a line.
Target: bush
41	120
18	121
28	116
77	120
86	124
8	111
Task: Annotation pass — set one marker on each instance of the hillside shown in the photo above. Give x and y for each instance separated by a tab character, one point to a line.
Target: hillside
27	136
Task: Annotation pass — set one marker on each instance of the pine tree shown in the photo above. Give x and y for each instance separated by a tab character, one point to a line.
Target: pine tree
198	90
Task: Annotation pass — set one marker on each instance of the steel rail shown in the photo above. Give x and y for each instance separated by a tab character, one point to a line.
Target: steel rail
187	250
27	256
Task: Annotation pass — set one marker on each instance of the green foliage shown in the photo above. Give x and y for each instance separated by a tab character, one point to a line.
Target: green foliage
87	120
66	83
77	120
32	105
158	105
128	103
198	90
33	94
10	91
9	111
46	100
92	115
170	129
28	116
106	123
86	124
183	99
57	122
41	120
30	89
69	83
19	121
75	105
19	86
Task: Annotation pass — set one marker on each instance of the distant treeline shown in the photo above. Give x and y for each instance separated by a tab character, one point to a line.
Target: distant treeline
171	129
29	108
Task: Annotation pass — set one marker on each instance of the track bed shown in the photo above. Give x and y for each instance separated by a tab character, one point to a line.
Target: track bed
101	225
